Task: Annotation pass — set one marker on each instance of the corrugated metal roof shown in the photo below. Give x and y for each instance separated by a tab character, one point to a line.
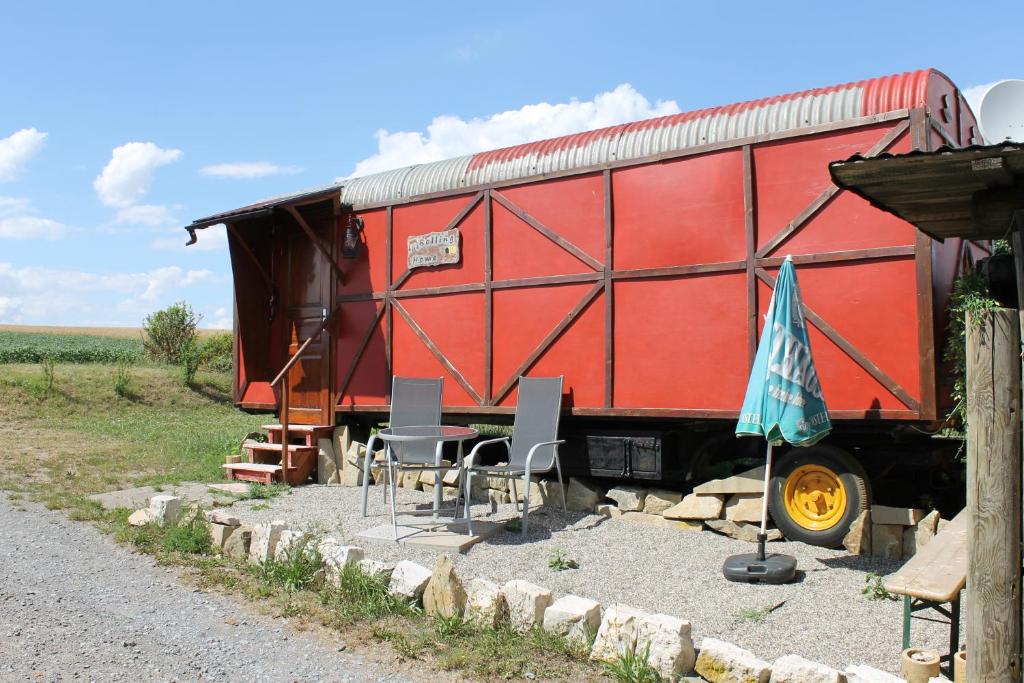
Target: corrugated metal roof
935	191
631	140
645	138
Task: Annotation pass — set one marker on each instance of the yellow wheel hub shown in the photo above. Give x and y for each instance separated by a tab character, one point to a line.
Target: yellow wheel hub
815	497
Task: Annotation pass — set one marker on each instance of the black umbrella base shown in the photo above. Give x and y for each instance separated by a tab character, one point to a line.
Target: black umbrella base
747	568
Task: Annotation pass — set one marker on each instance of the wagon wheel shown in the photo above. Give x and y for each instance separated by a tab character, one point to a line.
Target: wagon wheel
816	493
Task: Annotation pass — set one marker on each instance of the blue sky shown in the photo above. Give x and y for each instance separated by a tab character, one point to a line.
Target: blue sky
122	122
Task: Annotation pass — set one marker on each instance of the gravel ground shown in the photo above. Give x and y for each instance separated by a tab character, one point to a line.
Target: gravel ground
823	616
75	606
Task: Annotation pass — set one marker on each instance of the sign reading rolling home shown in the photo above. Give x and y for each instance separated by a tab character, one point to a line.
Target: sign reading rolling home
434	249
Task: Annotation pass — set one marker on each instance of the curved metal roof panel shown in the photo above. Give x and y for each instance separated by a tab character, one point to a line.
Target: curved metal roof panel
649	137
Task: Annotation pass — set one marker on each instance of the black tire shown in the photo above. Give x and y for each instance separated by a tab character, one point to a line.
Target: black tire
852	477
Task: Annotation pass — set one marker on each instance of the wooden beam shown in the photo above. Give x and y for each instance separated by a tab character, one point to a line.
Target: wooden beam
294	213
838	256
750	232
993	496
548	341
488	297
429	343
251	254
679	271
609	293
389	315
546	231
852	351
822	200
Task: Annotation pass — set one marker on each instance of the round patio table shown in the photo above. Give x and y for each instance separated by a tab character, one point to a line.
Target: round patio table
439	434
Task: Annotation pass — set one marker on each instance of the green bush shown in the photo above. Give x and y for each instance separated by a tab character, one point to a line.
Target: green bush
970	295
189	535
170	332
191	359
217	352
123	380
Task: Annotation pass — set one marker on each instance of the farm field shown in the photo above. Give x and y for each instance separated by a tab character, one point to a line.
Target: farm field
115	332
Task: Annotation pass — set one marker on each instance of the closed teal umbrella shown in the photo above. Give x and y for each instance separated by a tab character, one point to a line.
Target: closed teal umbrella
784	401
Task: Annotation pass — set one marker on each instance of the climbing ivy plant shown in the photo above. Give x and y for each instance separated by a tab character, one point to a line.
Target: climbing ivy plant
970	295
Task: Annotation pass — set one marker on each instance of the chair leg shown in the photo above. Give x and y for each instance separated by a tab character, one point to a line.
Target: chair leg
467	482
394	506
526	502
561	487
366	471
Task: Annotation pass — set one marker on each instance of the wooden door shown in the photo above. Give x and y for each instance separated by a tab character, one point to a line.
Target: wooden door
308	299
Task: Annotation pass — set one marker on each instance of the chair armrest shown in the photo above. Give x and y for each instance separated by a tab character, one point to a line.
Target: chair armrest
533	449
472	454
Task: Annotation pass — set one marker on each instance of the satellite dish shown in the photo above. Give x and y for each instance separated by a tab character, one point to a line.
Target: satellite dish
1001	112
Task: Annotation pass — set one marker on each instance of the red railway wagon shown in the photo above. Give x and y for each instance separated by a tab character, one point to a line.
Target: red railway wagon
637	261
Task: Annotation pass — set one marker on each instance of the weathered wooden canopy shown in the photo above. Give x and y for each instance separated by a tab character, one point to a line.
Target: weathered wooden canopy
970	193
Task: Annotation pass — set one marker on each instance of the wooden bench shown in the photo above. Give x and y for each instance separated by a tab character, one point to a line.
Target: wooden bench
933	578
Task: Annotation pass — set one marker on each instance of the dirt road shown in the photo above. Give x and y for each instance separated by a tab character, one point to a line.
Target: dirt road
75	606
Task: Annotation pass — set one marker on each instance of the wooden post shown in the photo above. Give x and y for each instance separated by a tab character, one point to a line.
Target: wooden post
285	418
993	496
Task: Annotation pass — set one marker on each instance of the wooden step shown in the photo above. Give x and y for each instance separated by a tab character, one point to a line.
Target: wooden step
260	473
294	428
252	467
276	447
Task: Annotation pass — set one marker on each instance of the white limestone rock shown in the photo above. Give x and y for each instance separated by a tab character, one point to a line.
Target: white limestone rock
220	534
336	557
860	673
722	662
141	517
485	603
883	514
659	500
376	568
744	507
617	634
498	497
409	580
264	540
444	595
695	506
289	543
628	498
526	604
216	516
582	495
607	510
551	494
796	669
574	618
668	644
165	509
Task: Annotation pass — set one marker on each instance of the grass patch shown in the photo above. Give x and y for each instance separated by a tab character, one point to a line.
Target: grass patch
634	667
757	615
300	569
264	491
874	588
559	562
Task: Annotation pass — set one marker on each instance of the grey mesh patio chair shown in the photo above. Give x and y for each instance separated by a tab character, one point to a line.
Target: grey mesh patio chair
533	448
415	402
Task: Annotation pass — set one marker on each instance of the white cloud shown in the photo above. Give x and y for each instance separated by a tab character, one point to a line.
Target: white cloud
60	296
30	227
248	169
213	238
11	206
450	136
128	175
16	149
147	215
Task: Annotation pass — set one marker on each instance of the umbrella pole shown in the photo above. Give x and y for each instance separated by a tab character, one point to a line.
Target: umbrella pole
763	536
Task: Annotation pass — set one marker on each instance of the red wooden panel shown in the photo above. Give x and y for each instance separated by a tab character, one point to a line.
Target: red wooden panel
366	273
455	324
873	305
679	212
942	104
432	216
790	174
681	343
845	384
572	207
524	317
369	384
520	251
